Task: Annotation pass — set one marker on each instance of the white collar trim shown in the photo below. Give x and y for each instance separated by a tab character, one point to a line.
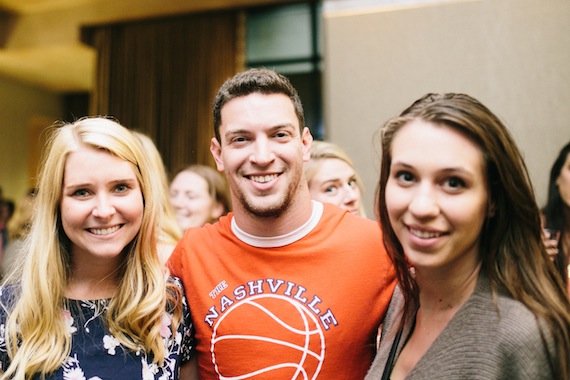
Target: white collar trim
282	240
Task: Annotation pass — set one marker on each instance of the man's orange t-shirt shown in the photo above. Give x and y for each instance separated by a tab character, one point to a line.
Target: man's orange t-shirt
303	306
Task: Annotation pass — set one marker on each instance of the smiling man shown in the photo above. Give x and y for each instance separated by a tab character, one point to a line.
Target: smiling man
283	287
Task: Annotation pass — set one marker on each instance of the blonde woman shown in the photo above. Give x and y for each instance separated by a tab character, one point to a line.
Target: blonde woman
331	177
92	299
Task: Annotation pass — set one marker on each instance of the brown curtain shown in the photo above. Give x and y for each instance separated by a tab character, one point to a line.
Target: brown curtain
160	76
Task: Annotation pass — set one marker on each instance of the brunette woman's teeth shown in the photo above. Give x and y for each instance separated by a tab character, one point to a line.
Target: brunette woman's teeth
425	234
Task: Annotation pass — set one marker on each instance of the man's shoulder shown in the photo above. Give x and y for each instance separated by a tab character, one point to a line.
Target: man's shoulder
209	229
351	229
199	239
335	213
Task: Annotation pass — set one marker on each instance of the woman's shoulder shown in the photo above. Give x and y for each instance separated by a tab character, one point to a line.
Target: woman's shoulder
508	331
9	293
522	340
176	282
518	324
176	290
501	313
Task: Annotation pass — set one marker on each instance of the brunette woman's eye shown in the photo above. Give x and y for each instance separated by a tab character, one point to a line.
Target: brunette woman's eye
405	177
454	183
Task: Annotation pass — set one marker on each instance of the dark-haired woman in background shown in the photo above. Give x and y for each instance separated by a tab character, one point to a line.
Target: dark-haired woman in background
557	210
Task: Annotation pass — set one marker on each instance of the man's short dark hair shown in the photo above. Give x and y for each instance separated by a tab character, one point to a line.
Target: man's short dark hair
254	80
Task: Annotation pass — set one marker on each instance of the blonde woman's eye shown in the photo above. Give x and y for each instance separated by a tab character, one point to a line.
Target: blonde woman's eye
80	193
330	190
121	188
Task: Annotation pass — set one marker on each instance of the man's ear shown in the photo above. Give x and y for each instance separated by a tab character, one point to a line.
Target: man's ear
307	140
216	150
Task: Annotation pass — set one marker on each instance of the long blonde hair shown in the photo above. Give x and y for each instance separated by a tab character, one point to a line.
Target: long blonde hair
37	339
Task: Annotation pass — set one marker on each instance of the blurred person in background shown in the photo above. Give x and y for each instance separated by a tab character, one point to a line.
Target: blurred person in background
331	177
556	212
18	228
6	210
198	195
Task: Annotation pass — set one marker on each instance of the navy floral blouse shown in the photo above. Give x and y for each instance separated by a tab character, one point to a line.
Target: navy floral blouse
96	354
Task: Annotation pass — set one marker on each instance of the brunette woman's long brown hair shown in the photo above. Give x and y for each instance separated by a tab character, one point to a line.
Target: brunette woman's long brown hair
512	251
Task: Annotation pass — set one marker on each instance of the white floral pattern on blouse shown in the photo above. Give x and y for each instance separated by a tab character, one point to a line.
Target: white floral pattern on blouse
98	355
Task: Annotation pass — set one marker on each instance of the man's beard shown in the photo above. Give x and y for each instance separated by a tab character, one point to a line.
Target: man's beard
271	211
276	209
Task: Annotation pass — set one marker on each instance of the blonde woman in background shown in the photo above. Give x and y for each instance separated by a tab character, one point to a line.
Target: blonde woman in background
198	195
171	232
18	228
92	299
331	177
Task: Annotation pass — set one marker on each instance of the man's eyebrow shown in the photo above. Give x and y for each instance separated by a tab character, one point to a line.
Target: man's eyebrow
237	132
279	127
245	131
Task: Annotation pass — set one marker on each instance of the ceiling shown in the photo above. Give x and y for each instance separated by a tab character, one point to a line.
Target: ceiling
40	39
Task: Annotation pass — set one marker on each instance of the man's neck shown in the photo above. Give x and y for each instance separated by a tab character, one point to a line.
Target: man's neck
286	238
291	219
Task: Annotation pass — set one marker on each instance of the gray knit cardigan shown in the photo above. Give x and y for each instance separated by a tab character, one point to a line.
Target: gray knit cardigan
480	342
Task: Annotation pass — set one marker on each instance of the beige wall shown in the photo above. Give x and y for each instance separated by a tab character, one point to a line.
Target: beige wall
513	55
22	108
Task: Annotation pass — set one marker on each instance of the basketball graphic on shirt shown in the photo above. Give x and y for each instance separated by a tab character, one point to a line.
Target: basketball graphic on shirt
281	334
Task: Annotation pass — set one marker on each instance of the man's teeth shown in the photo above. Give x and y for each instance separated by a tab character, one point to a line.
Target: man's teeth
104	231
263	178
425	234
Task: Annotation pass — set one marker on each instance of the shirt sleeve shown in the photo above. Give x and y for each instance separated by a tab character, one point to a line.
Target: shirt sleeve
174	263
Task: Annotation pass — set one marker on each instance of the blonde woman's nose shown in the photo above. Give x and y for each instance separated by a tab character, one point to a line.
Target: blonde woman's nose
351	194
103	207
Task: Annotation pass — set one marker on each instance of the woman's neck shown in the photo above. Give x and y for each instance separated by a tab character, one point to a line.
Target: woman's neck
94	281
90	289
442	293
